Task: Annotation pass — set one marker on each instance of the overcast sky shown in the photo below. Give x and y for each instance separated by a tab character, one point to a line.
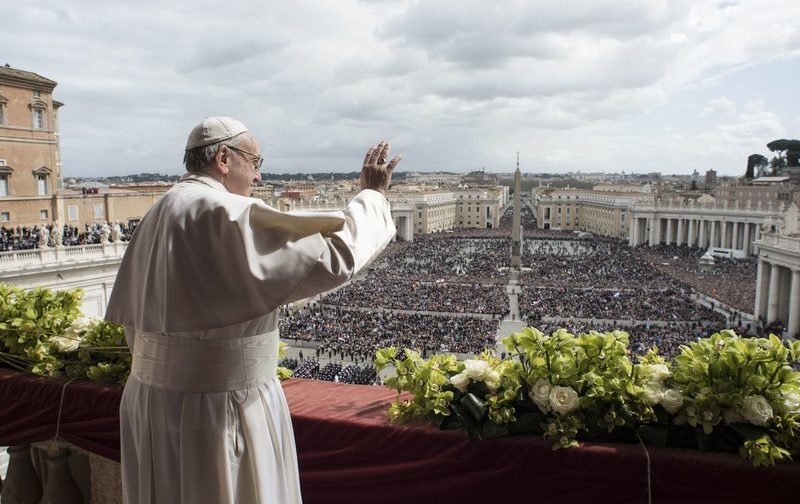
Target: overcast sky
590	85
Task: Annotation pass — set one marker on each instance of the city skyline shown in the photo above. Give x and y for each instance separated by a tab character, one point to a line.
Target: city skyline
607	86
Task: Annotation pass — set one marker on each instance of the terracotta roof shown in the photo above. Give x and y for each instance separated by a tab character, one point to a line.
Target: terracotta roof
7	71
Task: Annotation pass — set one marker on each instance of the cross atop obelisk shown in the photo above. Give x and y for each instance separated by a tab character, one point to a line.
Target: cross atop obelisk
516	224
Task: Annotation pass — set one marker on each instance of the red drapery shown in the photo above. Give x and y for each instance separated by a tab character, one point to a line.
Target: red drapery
349	453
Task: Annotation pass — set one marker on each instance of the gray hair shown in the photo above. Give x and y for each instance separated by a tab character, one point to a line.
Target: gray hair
199	159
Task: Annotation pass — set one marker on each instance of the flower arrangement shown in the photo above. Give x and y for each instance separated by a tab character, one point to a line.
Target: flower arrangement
725	392
44	332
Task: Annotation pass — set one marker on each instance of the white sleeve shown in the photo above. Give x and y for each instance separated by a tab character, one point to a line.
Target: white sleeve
367	229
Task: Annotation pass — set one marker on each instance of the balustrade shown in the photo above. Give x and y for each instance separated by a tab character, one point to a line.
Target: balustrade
58	472
52	256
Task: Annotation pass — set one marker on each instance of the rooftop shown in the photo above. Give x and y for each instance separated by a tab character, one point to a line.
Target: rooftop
13	73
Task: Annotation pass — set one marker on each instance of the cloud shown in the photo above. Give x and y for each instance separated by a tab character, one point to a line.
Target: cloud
454	84
719	105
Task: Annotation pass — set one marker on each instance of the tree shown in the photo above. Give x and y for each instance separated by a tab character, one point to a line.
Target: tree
788	153
755	161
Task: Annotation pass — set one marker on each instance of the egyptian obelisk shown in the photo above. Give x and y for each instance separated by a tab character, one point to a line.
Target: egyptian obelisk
516	225
513	323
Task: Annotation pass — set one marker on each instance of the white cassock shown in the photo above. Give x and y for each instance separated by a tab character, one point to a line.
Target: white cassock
203	417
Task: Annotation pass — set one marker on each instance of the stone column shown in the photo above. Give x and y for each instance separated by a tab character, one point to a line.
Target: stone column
736	236
701	239
712	235
772	297
668	238
691	240
746	238
794	304
679	238
761	272
632	233
659	227
653	222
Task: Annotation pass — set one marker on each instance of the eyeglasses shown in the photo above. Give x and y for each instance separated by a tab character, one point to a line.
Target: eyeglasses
256	160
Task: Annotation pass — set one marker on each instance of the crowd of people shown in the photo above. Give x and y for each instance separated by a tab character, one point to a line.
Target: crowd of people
526	217
637	304
565	278
431	258
419	296
732	281
355	335
33	237
599	263
332	372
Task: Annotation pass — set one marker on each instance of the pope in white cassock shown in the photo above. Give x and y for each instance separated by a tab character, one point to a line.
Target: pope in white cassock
203	417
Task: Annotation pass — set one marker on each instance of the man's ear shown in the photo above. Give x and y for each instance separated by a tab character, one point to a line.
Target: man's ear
222	160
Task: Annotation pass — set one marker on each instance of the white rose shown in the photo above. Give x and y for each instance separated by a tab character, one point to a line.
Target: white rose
67	343
563	400
756	409
476	369
653	392
672	400
460	381
788	404
492	380
540	394
660	372
82	324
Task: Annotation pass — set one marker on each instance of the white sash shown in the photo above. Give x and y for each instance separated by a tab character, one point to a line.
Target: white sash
204	365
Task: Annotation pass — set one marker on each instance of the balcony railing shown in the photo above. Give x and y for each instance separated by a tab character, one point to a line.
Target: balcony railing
791	243
53	256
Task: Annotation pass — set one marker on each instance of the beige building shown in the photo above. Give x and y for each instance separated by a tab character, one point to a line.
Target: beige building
423	212
437	211
603	211
31	188
761	192
124	204
30	160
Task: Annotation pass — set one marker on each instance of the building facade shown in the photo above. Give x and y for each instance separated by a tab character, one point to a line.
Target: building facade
701	225
604	212
778	280
30	154
758	193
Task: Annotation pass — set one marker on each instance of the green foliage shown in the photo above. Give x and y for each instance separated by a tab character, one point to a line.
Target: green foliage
44	332
569	387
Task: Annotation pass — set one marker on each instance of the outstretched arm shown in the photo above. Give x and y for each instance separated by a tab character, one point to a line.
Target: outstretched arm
367	229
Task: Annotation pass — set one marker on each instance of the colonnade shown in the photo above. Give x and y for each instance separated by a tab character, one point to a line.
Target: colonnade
778	295
778	281
701	232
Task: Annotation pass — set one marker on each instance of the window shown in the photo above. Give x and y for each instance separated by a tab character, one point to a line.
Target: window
3	185
38	118
72	212
98	211
43	214
5	216
2	112
37	93
41	183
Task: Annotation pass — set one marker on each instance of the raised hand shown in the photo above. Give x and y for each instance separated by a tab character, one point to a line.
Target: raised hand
376	172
